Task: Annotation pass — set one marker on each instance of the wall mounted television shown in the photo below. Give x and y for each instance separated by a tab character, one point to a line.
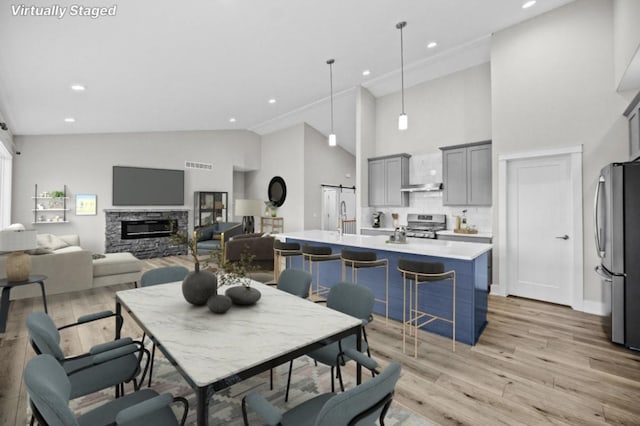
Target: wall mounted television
140	186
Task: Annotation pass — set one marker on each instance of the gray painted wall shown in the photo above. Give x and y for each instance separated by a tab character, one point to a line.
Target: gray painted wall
553	86
450	110
323	164
626	35
301	156
84	163
282	154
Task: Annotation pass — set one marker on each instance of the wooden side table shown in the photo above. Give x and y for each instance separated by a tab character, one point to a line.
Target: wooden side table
6	291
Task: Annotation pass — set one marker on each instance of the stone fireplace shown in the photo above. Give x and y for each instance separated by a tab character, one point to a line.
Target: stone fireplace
144	233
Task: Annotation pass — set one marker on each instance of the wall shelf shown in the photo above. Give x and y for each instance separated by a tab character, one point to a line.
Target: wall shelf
44	206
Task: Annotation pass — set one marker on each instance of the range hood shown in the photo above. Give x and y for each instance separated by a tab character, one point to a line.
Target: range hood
423	187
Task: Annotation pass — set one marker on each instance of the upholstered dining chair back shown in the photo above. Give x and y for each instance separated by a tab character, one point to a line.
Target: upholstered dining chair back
49	391
351	299
163	275
364	404
295	281
45	337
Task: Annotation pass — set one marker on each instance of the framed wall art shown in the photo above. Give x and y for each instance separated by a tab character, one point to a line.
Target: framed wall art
86	204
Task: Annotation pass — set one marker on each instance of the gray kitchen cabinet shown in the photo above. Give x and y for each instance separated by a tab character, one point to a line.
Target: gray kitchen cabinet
466	171
386	176
633	115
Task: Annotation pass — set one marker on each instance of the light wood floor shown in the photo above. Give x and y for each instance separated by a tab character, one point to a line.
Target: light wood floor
535	363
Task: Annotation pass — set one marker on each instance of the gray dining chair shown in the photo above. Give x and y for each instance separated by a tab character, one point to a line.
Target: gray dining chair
49	391
109	364
361	405
162	275
349	299
295	281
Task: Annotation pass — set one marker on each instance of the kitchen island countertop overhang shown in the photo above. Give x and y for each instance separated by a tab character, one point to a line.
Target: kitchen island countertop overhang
417	246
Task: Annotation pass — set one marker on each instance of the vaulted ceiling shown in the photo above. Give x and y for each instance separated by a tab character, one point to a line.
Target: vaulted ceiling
162	65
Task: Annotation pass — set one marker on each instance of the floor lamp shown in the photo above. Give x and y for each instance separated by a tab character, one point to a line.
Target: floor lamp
248	209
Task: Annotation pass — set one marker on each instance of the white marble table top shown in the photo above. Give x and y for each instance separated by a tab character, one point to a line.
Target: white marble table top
210	347
419	246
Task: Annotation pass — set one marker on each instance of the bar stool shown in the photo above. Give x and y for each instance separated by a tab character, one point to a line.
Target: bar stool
286	250
357	259
416	273
315	254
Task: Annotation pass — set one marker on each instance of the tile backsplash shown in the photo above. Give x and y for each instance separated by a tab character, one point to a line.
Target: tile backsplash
427	168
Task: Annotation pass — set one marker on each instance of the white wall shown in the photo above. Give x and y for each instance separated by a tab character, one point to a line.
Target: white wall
282	154
84	163
553	86
323	164
626	35
365	147
450	110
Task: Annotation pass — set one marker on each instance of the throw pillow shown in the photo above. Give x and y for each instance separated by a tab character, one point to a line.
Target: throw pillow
51	242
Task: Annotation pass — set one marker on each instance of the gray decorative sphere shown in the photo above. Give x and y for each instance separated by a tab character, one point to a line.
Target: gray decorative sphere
219	304
198	286
241	295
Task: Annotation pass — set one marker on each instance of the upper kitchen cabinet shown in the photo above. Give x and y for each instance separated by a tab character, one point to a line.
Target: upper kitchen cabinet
633	115
466	173
387	175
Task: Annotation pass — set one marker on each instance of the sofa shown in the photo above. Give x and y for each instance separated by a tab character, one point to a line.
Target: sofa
258	245
214	237
69	267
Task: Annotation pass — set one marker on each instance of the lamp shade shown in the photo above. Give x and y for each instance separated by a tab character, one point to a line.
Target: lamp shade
17	240
248	207
18	266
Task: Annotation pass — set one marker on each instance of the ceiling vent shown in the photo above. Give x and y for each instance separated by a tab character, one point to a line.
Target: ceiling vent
197	165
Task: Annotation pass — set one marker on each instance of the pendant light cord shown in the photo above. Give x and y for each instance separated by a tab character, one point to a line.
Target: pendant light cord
330	62
401	25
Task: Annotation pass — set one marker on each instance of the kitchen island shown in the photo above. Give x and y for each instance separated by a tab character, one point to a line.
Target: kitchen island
469	260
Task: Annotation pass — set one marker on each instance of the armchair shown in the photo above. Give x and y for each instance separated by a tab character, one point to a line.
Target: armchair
256	245
215	237
49	392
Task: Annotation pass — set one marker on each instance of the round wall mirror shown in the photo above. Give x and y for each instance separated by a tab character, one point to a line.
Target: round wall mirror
277	191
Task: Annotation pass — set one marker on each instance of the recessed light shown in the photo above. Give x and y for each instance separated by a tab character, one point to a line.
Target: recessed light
78	87
272	101
432	45
528	4
69	120
366	72
232	120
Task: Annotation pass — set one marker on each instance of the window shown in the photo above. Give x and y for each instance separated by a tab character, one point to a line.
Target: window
6	163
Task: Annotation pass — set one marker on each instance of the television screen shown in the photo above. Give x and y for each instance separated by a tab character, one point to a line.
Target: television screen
139	186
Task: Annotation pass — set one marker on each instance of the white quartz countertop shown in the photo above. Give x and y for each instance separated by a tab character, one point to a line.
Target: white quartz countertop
478	235
419	246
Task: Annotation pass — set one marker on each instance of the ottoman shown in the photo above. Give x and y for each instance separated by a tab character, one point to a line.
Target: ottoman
116	268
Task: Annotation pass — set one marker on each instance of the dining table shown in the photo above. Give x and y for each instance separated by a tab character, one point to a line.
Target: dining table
214	351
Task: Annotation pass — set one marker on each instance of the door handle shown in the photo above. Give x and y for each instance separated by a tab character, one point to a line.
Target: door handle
596	203
564	237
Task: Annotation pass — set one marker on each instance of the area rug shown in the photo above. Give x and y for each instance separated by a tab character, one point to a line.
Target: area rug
225	408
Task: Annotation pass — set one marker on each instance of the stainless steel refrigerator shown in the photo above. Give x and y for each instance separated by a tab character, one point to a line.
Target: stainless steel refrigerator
617	235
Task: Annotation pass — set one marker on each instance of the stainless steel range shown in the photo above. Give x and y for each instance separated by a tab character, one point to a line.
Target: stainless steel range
425	225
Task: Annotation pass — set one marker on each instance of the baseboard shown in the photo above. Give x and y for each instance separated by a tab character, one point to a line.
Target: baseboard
595	308
497	290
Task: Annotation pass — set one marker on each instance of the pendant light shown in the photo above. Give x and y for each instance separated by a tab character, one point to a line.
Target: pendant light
403	121
332	136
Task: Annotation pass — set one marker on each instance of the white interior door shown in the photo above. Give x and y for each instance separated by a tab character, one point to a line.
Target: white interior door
540	232
329	209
